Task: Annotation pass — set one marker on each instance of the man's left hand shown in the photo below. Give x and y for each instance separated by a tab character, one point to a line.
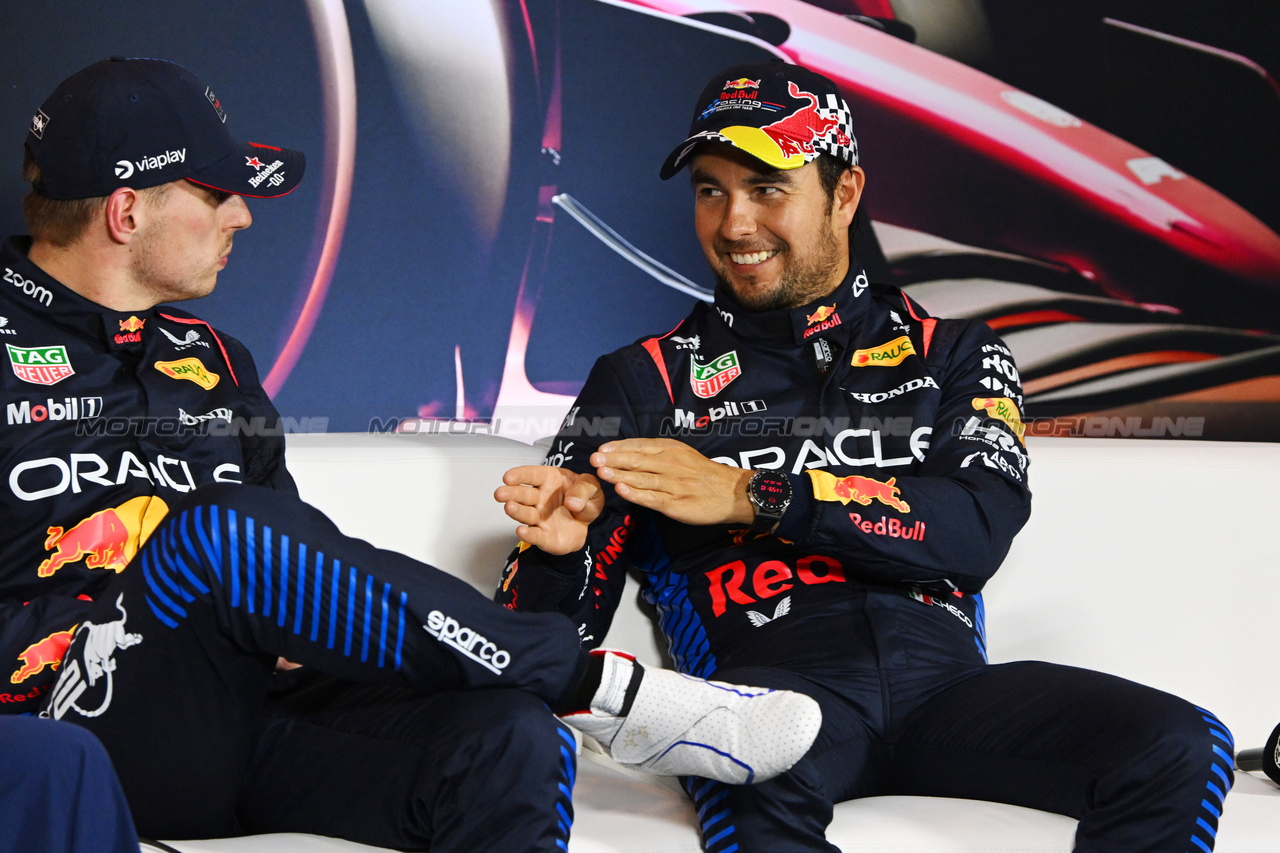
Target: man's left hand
553	505
676	480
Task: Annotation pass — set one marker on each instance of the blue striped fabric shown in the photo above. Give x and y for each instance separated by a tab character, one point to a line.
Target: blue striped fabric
980	625
715	817
205	545
669	593
1220	778
568	775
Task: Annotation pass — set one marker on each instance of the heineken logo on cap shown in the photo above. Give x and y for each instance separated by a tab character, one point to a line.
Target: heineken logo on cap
710	378
40	365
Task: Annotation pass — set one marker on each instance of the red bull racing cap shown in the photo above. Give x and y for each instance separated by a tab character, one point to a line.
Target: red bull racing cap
144	122
781	114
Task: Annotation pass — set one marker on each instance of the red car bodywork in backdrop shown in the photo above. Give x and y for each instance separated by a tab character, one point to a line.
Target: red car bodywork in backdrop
954	152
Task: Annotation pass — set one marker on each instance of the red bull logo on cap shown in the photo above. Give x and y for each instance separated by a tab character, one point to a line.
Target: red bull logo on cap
796	133
742	83
108	539
788	142
47	652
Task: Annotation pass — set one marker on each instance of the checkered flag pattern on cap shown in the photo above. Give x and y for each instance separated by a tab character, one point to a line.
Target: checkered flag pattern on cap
784	115
847	150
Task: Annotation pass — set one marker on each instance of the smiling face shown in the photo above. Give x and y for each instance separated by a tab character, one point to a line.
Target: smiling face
774	239
185	241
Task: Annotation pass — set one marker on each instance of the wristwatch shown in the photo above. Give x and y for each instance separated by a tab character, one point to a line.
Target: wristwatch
770	493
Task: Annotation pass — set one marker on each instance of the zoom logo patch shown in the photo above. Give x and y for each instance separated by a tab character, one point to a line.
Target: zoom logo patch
475	646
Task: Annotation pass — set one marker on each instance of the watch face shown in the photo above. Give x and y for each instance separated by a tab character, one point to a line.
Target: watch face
771	491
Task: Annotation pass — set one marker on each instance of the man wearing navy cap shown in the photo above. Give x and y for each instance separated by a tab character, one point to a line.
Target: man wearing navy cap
157	568
841	475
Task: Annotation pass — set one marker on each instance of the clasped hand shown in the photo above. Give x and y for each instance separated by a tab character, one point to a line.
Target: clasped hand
554	506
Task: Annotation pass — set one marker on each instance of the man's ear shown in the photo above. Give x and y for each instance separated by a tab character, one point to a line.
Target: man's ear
123	214
847	196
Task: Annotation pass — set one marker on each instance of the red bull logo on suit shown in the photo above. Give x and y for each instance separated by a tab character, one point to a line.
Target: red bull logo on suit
108	539
47	652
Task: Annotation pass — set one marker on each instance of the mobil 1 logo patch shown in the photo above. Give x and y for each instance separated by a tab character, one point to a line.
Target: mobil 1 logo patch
66	409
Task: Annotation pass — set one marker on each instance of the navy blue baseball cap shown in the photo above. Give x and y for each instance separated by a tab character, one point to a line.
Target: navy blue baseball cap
783	115
144	122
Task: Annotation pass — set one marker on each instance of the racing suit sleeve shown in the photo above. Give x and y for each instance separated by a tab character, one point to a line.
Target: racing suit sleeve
948	525
587	584
263	449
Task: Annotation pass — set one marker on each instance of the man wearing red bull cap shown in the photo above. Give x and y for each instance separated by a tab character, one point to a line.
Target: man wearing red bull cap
889	479
155	570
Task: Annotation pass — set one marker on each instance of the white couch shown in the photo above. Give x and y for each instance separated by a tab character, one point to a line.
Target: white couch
1153	560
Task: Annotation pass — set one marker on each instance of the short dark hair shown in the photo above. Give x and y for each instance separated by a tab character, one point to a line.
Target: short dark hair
830	169
50	220
61	223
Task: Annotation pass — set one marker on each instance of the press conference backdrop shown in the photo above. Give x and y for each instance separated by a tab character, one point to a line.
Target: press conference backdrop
482	216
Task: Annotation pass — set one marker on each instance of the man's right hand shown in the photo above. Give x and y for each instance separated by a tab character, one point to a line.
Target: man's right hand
553	505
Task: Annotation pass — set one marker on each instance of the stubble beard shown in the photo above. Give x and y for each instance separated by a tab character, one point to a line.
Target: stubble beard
802	280
147	270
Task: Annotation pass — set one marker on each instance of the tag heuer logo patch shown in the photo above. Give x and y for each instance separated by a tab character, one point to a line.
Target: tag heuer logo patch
189	368
885	355
710	378
40	365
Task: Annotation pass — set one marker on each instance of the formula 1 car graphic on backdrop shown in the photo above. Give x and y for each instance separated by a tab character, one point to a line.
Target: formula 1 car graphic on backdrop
1126	287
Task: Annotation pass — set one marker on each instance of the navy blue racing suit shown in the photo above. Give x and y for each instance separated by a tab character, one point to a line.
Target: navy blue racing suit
902	437
156	562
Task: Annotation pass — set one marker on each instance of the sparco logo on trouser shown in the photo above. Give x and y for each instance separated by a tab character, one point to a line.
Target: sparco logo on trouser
475	646
94	663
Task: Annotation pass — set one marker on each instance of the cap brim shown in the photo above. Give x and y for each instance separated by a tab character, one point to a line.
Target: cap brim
255	171
748	140
679	156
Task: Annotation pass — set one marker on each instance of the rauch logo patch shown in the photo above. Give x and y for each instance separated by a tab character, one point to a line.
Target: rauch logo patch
189	368
885	355
1004	409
